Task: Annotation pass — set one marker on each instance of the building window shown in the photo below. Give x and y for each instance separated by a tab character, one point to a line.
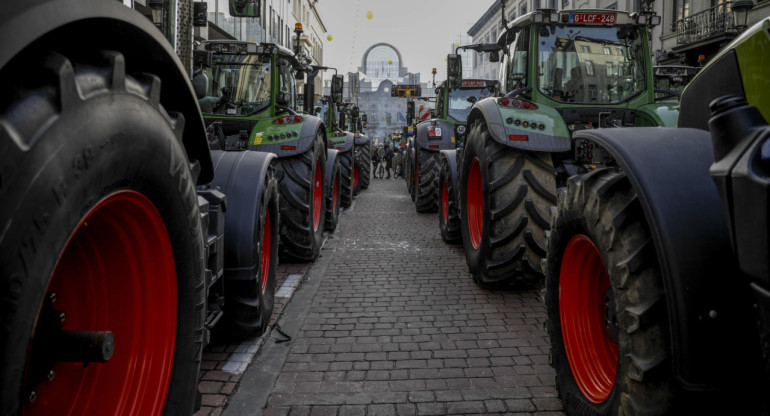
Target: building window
523	9
607	50
612	6
681	9
564	4
585	48
589	68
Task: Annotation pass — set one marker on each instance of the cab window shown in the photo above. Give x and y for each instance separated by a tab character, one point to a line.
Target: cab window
516	64
287	84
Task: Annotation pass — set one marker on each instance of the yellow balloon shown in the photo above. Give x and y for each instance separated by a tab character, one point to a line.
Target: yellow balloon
390	62
369	15
329	38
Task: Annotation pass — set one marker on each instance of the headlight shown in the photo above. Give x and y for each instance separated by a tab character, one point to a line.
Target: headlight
461	129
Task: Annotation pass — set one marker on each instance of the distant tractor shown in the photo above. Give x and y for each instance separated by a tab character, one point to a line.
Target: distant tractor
562	72
657	286
353	121
250	104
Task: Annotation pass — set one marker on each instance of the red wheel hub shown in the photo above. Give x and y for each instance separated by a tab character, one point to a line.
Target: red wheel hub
444	202
475	204
591	352
355	176
115	274
266	247
317	195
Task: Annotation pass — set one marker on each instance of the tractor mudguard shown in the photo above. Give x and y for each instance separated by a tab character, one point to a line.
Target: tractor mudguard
451	158
331	158
241	176
60	25
488	111
669	170
310	127
445	141
361	139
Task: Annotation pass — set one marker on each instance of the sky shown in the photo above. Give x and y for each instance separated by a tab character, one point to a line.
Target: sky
422	30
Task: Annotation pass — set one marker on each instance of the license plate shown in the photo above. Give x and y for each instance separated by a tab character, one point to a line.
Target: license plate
592	18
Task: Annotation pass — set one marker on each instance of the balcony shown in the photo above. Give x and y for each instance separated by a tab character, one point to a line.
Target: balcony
711	23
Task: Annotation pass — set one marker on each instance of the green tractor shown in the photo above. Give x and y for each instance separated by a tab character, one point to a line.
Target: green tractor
250	105
354	121
562	72
116	254
657	287
338	139
444	131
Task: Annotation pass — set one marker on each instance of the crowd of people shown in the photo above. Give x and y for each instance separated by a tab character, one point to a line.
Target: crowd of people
385	159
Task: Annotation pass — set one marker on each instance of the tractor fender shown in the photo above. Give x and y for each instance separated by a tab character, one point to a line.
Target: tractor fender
451	157
669	170
310	128
61	24
445	141
361	139
331	159
241	176
487	111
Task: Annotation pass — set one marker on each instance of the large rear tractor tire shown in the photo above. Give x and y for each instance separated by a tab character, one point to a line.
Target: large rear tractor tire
448	211
506	197
333	199
303	197
606	312
363	166
412	183
348	170
101	243
251	236
426	182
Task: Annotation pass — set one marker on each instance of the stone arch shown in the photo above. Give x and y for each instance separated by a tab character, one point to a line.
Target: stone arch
388	45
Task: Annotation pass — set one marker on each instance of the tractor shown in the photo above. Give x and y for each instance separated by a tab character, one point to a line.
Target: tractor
353	121
563	72
250	105
657	286
125	239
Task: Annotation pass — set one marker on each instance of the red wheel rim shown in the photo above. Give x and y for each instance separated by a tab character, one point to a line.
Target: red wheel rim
592	354
266	247
355	176
475	203
444	202
334	198
115	274
317	194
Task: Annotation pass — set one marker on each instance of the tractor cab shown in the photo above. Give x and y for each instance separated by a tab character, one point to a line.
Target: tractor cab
670	80
454	103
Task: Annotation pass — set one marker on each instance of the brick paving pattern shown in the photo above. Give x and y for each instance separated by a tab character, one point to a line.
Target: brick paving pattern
398	327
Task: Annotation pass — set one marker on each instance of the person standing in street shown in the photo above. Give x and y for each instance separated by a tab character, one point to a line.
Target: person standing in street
388	160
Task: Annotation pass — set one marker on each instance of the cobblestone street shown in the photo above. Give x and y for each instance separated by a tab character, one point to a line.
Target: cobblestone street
389	322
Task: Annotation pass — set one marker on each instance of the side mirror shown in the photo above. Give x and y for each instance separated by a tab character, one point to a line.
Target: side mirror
283	98
494	56
454	70
200	84
363	118
337	86
343	120
244	8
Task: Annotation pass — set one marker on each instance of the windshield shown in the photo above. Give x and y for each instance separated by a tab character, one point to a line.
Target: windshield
461	100
322	111
239	85
596	65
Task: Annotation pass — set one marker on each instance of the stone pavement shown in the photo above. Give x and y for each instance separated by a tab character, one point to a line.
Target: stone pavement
389	322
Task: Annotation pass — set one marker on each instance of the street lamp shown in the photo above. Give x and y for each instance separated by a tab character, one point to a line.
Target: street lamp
156	6
741	13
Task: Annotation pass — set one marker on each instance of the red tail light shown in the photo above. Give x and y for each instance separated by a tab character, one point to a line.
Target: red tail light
518	138
517	103
434	131
433	146
288	120
288	147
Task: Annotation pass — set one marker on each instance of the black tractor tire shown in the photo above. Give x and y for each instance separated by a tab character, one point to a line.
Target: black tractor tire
364	165
426	192
96	191
333	199
300	180
512	193
346	181
250	291
448	210
603	291
411	183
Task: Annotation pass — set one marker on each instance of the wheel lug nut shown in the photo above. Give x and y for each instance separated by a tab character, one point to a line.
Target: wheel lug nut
52	297
51	375
32	396
62	316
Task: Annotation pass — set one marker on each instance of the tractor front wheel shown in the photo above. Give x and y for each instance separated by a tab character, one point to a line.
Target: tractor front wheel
363	167
427	170
448	211
605	303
